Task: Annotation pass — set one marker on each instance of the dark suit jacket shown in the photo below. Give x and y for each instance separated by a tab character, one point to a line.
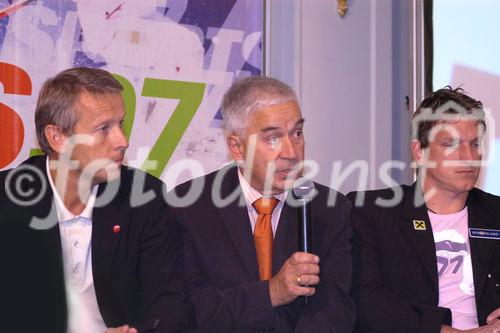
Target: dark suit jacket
221	270
395	272
135	277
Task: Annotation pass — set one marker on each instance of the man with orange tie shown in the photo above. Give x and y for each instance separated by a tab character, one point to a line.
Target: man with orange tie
242	266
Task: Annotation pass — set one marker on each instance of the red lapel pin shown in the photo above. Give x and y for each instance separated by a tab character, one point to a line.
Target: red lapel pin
116	229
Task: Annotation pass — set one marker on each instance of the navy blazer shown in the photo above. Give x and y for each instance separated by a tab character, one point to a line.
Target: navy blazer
135	270
395	267
221	270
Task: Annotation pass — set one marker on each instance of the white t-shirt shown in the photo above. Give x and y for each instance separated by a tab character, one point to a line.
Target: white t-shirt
456	283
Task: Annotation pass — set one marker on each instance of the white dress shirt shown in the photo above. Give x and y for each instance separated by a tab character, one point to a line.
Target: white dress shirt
251	195
76	233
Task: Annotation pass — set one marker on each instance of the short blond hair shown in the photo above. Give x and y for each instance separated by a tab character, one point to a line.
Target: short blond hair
59	95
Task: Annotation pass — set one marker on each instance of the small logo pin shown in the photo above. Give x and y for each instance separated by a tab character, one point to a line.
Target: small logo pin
116	229
419	225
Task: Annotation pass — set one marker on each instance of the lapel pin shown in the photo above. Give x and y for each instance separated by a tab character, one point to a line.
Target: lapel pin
116	229
419	225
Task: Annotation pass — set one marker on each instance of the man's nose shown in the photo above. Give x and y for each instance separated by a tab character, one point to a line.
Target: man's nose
121	141
288	149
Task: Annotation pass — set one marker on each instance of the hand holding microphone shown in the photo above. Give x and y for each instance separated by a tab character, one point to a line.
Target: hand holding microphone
300	273
303	192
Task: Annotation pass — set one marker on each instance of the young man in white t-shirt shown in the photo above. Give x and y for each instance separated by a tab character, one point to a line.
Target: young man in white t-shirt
427	256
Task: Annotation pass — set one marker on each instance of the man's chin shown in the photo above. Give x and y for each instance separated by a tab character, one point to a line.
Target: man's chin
283	186
107	174
468	183
468	186
112	172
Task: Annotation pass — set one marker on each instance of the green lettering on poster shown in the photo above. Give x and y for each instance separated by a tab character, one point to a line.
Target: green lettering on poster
190	95
129	99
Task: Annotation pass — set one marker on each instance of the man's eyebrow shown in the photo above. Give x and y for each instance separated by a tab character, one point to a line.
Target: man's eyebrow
102	121
300	122
270	129
274	128
101	124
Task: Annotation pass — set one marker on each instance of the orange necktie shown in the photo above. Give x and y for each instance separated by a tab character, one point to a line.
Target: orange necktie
263	235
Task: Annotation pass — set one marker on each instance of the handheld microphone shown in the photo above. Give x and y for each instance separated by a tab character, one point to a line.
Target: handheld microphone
304	192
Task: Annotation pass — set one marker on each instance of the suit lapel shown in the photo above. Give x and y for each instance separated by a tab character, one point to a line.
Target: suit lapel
45	212
44	223
481	249
105	238
235	219
422	241
286	239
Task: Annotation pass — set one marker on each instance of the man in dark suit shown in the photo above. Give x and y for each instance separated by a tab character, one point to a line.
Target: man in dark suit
86	245
239	228
427	256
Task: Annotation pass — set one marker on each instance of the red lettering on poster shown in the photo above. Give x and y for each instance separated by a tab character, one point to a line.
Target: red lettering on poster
15	81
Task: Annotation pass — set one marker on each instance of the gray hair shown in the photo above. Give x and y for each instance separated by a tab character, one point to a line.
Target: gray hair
58	97
248	95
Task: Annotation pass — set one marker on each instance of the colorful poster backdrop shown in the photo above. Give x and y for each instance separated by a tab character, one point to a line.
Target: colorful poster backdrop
175	59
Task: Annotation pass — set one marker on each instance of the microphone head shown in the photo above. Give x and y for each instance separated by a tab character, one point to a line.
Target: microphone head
303	189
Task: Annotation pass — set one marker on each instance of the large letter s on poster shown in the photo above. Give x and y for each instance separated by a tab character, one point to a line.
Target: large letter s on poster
17	82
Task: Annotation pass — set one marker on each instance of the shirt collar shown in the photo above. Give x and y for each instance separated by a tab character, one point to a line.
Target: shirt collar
63	214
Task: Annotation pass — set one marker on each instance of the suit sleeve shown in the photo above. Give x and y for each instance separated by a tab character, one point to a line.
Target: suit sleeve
380	309
163	305
331	309
243	306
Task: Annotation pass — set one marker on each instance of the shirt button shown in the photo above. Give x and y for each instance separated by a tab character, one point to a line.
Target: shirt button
76	271
489	276
76	244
